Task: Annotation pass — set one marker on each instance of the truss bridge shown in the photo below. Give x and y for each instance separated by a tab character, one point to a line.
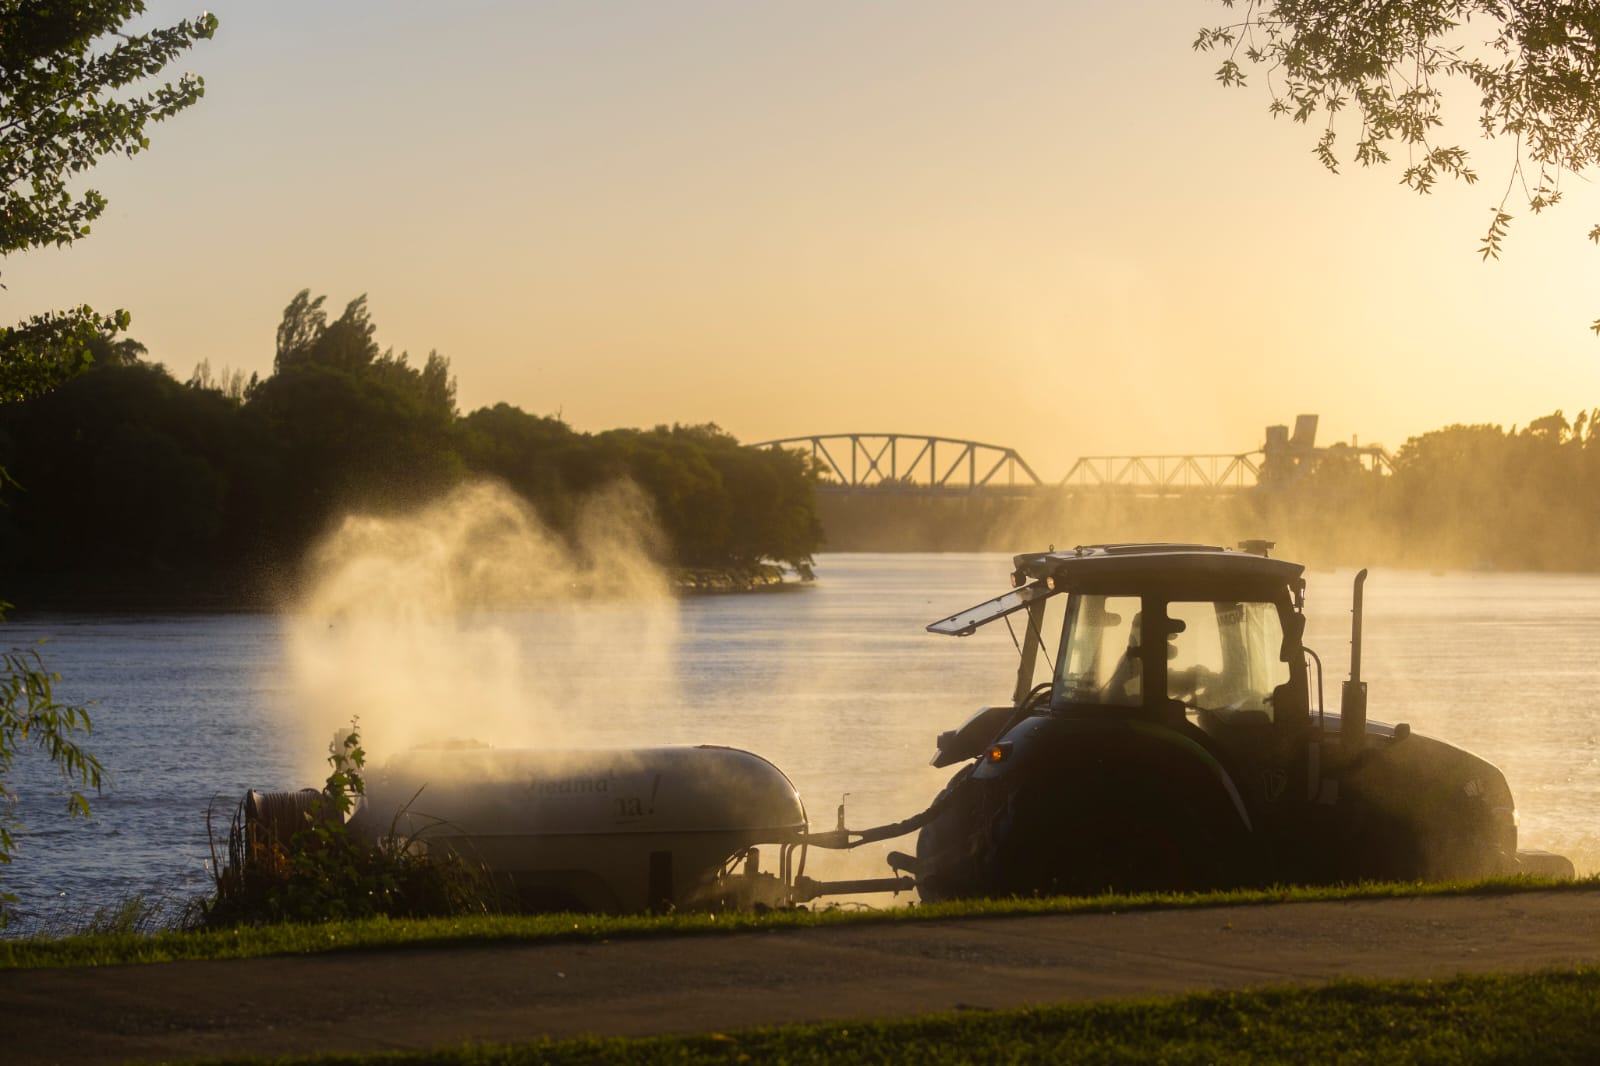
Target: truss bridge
911	463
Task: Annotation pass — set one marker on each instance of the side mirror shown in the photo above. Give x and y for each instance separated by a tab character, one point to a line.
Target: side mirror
1294	632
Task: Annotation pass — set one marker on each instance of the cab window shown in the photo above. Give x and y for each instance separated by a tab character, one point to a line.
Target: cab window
1099	660
1226	657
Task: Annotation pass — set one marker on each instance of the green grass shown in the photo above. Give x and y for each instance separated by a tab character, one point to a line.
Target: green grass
1543	1018
382	934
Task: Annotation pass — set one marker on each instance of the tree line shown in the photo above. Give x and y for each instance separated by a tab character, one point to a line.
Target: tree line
1465	496
1461	497
128	484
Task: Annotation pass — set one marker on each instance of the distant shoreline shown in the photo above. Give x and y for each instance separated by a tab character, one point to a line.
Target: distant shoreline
110	596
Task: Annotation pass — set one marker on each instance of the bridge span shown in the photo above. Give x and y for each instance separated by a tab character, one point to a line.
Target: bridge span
912	463
917	464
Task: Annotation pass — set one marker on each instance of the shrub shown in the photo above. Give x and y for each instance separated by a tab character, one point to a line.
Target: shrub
291	858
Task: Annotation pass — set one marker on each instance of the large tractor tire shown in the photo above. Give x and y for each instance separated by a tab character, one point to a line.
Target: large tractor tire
1086	837
951	848
1082	834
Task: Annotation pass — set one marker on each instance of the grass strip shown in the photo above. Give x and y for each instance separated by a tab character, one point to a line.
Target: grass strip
388	934
1541	1018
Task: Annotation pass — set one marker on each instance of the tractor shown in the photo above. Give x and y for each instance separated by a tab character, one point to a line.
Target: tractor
1178	742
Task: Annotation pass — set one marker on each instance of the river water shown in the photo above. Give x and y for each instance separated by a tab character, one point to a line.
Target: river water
835	682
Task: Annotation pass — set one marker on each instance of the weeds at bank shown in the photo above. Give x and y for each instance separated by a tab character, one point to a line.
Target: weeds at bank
380	934
138	915
1542	1018
291	859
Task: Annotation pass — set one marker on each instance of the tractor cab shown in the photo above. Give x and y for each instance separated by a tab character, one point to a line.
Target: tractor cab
1218	656
1171	634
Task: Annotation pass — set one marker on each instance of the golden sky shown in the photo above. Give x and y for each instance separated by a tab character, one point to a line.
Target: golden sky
1034	224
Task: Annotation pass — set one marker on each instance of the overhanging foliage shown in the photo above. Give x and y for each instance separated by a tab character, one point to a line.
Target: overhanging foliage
1532	67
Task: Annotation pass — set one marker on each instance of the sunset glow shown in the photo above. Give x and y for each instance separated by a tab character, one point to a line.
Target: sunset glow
1039	225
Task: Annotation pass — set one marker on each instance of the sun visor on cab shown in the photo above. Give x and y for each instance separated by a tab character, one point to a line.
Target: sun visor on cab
965	623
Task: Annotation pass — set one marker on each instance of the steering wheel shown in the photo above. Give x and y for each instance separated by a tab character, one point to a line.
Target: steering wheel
1036	700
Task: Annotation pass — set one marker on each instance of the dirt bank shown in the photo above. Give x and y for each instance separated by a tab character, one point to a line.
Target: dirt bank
429	998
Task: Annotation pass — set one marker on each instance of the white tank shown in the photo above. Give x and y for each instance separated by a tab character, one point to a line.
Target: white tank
621	830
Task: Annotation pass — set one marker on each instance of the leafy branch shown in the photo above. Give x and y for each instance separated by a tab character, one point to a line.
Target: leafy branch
62	108
29	712
1533	68
71	93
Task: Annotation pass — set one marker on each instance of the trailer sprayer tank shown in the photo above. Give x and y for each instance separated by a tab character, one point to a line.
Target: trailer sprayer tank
625	830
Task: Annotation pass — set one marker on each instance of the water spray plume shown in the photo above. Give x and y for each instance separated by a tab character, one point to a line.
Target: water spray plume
471	619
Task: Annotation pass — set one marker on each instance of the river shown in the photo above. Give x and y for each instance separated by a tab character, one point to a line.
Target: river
836	682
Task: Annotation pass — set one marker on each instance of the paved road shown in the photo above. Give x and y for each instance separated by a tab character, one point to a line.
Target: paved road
428	998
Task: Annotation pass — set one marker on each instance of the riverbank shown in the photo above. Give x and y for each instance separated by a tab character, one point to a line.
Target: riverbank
444	996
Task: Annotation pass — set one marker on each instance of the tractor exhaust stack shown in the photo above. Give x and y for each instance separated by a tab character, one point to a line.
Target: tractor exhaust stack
1353	698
